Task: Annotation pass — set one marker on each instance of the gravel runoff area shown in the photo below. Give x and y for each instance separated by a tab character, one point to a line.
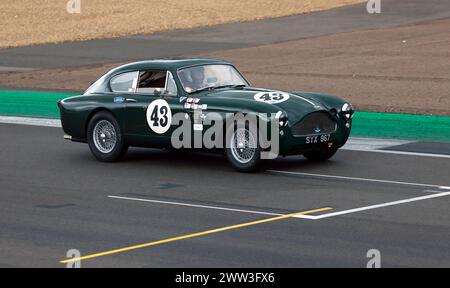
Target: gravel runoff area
403	69
26	22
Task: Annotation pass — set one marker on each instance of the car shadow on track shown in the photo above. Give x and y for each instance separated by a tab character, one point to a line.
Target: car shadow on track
217	161
198	160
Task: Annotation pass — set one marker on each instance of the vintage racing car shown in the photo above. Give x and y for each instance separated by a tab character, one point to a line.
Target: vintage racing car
136	104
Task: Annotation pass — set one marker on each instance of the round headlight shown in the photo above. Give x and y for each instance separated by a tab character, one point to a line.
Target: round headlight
347	107
282	118
347	111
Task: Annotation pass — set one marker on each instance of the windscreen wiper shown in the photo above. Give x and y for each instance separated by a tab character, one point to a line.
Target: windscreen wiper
230	86
203	89
219	87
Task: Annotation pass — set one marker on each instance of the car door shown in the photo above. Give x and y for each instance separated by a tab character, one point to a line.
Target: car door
122	90
149	113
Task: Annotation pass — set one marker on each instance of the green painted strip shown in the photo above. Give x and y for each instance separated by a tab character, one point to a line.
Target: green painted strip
401	126
365	124
30	103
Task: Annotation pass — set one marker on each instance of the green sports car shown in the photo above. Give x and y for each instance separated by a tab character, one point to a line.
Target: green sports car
203	104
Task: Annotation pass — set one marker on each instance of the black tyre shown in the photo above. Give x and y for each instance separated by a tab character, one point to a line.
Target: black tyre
319	156
242	149
105	138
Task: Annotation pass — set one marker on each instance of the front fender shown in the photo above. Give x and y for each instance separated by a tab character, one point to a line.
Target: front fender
329	101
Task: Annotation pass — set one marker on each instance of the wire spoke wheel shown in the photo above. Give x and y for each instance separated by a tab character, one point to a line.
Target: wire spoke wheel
243	145
104	136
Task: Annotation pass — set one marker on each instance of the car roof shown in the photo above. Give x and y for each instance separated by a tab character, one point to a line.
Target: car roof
167	64
171	64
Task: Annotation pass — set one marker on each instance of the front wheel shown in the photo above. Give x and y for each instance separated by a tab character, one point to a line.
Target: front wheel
243	151
105	137
319	156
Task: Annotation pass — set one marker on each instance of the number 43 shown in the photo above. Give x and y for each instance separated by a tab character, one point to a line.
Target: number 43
159	116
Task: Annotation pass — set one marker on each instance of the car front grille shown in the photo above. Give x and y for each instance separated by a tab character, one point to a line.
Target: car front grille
314	123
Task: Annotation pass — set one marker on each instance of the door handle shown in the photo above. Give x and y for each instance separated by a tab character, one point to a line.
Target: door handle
130	100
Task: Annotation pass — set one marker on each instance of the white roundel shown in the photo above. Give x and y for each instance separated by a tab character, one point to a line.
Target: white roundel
159	116
271	97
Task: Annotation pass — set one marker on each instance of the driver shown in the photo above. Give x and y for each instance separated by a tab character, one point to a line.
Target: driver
198	77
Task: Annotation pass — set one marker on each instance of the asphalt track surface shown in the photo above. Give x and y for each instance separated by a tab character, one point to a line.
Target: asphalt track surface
222	37
54	197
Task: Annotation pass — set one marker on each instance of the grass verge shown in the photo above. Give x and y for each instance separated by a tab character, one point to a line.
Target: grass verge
365	123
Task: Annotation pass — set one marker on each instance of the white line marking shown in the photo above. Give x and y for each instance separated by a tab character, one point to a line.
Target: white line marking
355	178
357	143
433	191
339	213
400	152
375	144
203	206
309	217
31	121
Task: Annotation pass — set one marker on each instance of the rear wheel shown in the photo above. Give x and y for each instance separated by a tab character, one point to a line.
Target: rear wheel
243	151
319	156
105	137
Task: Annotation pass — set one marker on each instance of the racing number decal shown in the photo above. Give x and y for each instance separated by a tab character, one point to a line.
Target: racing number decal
159	116
155	117
271	97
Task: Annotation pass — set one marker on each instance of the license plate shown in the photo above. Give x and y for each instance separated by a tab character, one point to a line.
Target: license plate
324	138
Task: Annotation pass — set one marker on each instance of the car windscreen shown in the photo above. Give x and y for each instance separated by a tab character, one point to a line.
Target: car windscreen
212	75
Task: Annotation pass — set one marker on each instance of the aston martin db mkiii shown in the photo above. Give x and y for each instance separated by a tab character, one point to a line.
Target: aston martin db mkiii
148	103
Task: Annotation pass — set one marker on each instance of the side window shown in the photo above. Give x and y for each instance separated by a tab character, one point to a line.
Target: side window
124	82
156	82
97	86
149	81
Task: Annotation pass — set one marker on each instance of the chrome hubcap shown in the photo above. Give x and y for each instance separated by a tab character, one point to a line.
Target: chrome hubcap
104	136
243	145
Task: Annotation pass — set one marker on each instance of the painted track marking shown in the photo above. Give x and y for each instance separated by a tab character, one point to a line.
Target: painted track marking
193	205
42	122
207	232
399	202
371	207
200	206
277	218
436	194
400	153
355	179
